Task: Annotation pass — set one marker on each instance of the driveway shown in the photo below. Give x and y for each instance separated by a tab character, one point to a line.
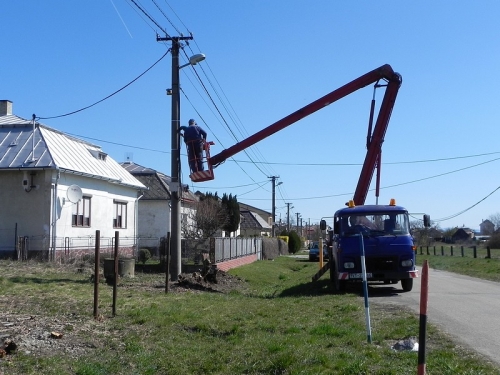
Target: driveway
465	307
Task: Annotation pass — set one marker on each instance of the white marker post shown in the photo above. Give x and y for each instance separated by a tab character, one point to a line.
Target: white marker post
365	289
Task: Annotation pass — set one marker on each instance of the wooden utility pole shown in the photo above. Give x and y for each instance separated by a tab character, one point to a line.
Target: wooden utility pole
288	217
175	189
273	224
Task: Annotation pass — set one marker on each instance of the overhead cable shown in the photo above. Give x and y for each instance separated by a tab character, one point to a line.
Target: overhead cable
109	96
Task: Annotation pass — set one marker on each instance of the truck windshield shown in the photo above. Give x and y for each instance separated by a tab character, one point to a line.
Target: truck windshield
379	224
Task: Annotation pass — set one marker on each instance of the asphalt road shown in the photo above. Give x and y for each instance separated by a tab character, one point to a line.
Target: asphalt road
465	307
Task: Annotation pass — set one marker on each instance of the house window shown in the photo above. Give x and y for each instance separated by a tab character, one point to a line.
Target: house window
81	213
119	215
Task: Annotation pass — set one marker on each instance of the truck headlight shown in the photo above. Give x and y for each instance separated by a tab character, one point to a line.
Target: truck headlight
349	265
407	263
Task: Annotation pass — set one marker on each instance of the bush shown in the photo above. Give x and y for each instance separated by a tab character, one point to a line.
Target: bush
144	255
294	243
494	242
88	258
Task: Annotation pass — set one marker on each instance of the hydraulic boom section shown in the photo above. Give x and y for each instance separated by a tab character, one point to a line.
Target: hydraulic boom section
384	73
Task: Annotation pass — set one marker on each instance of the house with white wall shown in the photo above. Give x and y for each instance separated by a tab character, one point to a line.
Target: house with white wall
154	210
57	191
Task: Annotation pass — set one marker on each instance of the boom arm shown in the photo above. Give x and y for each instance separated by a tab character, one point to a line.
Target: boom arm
384	72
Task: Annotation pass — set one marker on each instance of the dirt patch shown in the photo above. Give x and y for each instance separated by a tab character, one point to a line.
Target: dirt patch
225	283
42	336
24	330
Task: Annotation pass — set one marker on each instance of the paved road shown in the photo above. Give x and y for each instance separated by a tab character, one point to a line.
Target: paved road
465	307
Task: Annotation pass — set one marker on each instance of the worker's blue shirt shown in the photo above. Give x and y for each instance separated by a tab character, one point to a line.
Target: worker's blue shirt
193	132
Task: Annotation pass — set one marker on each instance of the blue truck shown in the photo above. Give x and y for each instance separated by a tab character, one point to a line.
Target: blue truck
389	251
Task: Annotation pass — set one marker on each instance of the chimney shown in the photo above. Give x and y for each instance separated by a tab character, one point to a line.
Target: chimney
5	107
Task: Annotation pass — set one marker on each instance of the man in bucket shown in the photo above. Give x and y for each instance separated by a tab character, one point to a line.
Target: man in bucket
194	137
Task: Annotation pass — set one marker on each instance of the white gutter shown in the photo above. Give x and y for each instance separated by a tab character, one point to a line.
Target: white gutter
54	215
136	225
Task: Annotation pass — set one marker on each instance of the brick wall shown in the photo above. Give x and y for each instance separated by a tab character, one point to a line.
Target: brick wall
233	263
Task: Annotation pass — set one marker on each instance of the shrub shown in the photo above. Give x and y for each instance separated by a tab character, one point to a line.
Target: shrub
494	241
293	242
88	258
144	255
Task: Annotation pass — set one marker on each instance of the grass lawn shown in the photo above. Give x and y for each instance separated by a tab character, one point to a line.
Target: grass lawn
274	321
440	257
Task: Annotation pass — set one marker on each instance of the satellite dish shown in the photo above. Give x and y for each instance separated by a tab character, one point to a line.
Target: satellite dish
74	193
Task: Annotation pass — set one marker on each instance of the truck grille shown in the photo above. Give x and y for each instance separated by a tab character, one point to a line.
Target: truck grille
381	264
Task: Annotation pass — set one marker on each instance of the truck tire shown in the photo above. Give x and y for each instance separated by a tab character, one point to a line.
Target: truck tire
407	284
339	286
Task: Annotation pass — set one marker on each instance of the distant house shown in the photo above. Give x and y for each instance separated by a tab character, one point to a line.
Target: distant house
462	234
486	227
58	190
265	215
154	205
252	224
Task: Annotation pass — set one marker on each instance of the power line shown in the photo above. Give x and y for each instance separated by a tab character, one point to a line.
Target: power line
150	18
385	163
400	184
231	187
168	19
109	96
467	209
253	150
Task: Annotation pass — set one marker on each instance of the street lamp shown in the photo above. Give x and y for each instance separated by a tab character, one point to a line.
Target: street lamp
175	188
193	60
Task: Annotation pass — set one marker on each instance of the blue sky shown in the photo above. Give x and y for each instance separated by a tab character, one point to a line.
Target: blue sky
265	60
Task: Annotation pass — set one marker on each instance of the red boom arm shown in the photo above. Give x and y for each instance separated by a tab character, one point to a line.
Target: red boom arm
384	72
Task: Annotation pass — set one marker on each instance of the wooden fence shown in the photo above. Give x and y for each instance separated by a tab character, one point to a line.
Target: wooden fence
462	251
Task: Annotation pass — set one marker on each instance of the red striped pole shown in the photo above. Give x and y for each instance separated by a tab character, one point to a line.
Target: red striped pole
424	292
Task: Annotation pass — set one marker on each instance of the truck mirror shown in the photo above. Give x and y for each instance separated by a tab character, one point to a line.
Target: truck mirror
322	225
427	221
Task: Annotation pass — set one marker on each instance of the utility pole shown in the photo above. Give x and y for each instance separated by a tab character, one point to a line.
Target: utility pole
175	188
288	217
297	226
273	224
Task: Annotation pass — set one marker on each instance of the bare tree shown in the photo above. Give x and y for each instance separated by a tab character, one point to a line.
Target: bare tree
495	219
205	220
424	236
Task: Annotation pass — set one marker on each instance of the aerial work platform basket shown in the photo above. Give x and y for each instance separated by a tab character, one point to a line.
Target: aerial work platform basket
206	174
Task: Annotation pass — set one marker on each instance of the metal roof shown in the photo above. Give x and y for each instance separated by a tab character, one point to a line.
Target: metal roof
41	147
158	183
253	221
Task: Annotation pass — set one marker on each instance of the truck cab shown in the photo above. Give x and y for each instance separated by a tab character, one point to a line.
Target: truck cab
389	250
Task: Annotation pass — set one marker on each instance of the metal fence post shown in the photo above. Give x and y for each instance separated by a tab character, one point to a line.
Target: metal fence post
96	273
488	252
115	278
212	250
462	250
475	251
451	250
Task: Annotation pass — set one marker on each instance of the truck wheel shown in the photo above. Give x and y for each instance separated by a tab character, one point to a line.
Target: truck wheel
338	285
407	284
